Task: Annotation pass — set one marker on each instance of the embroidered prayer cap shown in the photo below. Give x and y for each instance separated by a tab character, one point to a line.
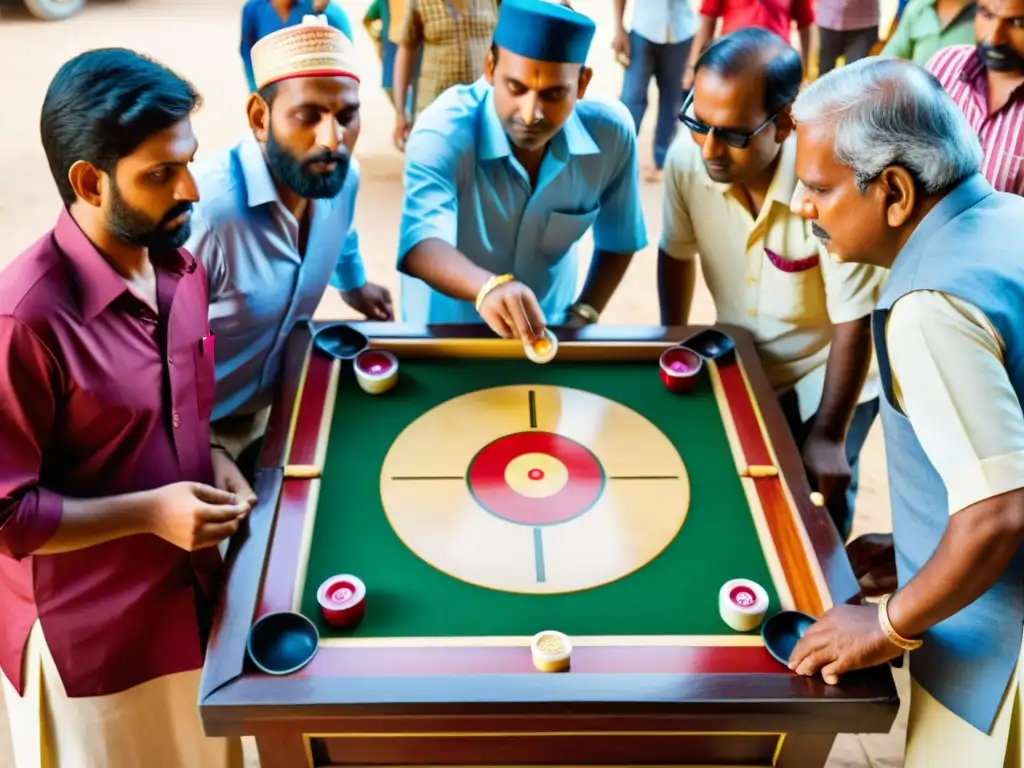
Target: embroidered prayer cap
310	49
544	30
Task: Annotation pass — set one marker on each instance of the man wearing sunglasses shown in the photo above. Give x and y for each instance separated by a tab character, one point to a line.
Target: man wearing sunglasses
729	182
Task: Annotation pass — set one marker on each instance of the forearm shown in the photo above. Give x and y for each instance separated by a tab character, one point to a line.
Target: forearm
976	549
805	45
445	269
677	280
402	76
701	38
619	11
606	271
80	523
848	362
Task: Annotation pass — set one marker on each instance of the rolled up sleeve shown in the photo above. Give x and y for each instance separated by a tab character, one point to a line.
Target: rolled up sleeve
851	290
619	226
29	514
950	380
430	205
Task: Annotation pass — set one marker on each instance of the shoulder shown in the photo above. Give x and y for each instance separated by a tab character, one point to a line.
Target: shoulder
947	62
939	319
607	121
221	185
449	123
38	291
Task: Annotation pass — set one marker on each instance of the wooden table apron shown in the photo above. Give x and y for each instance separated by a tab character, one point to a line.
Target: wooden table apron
659	704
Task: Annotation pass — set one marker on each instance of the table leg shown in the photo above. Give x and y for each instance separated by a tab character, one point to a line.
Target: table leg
279	751
805	750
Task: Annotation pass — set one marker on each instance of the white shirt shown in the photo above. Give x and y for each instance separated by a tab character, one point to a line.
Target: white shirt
664	21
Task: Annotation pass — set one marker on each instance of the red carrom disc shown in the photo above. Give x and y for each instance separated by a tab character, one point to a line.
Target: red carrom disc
342	600
490	488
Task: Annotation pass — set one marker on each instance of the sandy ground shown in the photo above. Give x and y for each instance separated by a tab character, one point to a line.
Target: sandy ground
199	38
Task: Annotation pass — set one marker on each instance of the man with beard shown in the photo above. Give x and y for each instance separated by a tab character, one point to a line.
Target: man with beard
111	500
987	83
504	176
890	170
276	221
728	186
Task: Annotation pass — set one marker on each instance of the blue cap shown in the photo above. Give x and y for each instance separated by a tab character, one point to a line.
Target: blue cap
543	30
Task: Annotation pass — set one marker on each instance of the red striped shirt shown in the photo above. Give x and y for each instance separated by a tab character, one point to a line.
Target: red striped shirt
963	76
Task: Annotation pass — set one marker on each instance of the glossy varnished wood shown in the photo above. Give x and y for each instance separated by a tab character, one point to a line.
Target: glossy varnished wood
713	695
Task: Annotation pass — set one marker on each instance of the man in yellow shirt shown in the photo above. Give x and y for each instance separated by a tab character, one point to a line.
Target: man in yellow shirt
728	187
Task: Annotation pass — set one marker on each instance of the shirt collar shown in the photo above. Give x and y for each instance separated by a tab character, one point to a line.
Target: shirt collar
98	282
972	69
573	139
259	184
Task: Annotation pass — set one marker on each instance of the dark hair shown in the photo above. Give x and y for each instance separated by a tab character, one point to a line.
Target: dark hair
102	104
269	92
753	49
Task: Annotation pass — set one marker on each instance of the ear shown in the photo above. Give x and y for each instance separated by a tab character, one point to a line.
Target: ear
87	181
784	125
900	195
489	64
259	116
585	76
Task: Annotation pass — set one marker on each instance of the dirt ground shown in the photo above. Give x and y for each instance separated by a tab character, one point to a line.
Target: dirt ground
199	38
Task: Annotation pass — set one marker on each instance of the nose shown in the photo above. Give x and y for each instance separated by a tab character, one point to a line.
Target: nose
998	33
712	148
529	109
187	189
800	205
327	134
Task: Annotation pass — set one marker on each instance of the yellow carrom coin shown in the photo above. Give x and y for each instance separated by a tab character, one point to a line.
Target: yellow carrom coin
534	489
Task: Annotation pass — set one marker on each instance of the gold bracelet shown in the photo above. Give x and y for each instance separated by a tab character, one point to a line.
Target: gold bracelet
490	285
891	634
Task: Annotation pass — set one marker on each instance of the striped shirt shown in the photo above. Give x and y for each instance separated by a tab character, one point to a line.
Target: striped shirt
963	76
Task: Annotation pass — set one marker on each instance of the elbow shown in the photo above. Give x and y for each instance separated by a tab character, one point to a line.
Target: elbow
997	521
28	522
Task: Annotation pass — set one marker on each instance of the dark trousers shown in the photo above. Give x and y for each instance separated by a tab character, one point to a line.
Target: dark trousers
840	506
852	44
664	62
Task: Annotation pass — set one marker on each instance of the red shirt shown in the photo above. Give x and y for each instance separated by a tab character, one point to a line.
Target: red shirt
963	76
100	397
773	15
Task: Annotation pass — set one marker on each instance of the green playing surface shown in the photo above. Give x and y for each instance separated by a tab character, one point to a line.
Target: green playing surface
674	594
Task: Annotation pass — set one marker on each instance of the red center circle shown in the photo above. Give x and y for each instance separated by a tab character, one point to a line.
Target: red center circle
742	597
487	483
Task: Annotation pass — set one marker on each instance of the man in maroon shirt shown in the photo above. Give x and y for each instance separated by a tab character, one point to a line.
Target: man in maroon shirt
111	500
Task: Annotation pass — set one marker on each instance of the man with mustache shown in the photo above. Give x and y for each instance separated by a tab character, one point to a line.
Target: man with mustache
111	500
504	176
728	185
890	167
276	221
987	83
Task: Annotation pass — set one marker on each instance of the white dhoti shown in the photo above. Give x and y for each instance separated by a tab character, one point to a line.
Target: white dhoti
152	725
936	738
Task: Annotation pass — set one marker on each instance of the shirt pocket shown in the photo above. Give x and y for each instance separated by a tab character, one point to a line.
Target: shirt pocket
793	289
563	230
206	375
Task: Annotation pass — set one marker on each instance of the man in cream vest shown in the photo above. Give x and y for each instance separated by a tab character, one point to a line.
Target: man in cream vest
889	173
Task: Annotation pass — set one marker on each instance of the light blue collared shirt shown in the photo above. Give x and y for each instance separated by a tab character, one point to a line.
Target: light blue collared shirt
664	21
261	287
464	186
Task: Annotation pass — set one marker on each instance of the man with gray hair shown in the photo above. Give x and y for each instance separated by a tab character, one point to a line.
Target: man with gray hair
889	172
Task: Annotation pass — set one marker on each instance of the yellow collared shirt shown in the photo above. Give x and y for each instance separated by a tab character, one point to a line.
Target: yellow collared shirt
769	274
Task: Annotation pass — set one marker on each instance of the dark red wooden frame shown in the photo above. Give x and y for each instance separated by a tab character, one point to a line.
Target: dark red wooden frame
459	690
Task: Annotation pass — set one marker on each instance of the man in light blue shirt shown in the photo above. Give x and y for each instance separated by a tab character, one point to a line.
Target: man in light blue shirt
658	46
504	176
261	17
275	221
